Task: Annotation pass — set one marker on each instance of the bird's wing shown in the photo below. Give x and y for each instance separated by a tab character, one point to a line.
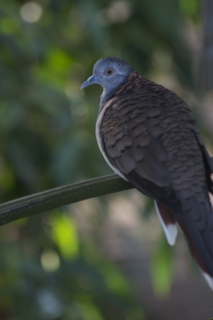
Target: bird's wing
131	142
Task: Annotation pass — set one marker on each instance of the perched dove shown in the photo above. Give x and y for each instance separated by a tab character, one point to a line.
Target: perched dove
147	135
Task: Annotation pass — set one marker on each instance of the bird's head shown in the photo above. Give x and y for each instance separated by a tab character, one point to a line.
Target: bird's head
109	73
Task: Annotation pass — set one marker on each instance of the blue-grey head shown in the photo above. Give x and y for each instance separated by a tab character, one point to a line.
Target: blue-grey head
109	73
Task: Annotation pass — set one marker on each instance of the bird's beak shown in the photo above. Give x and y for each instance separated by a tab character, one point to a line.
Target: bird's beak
91	80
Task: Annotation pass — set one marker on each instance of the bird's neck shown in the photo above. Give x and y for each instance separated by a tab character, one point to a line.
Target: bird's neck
105	96
108	92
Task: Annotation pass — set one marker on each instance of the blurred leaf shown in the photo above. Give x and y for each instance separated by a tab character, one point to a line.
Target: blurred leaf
88	309
58	64
162	268
189	7
7	178
65	235
114	279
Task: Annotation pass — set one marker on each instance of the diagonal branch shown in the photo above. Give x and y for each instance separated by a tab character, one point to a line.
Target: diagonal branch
57	197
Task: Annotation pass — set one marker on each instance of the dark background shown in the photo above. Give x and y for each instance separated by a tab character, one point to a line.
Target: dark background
103	258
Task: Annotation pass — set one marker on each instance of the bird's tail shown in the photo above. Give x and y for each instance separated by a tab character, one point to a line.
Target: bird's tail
197	225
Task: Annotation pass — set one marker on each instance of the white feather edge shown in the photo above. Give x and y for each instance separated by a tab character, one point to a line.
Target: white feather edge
208	279
99	140
171	230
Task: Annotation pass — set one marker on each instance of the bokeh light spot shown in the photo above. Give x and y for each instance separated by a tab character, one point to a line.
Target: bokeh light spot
50	260
31	12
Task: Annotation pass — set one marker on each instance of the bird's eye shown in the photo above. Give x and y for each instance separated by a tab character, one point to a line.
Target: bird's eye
109	71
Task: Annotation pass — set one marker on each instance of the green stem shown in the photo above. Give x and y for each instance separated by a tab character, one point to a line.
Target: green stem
57	197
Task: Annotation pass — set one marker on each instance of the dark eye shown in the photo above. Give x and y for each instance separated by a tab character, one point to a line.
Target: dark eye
109	71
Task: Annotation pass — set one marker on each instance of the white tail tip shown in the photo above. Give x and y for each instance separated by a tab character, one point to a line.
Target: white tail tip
209	279
171	230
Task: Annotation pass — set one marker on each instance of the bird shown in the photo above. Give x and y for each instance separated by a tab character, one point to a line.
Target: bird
148	136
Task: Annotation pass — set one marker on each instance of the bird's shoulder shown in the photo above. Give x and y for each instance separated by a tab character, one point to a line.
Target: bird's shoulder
140	102
146	95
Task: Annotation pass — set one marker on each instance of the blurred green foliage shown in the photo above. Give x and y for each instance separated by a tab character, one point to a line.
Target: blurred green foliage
162	268
47	49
